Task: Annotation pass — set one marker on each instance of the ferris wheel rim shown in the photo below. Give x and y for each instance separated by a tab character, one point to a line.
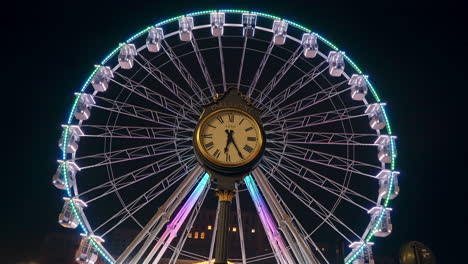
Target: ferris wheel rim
139	34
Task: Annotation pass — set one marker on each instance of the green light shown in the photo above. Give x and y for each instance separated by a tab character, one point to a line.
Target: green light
297	25
327	42
75	103
374	93
89	79
98	248
138	34
201	13
265	15
352	64
65	172
169	20
234	11
112	53
75	212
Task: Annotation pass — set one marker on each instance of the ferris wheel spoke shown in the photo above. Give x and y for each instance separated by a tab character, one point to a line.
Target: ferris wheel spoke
316	119
323	138
321	211
221	61
297	85
148	196
312	154
128	132
184	72
306	102
324	160
154	97
171	86
319	180
241	66
153	167
334	188
129	154
133	207
139	175
142	113
279	75
204	69
261	66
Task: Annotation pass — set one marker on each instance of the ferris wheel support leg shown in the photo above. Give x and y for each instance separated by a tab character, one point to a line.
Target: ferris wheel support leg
166	210
169	207
303	254
269	225
191	220
241	229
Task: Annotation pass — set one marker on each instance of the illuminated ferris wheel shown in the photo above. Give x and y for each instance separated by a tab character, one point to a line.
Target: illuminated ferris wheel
245	105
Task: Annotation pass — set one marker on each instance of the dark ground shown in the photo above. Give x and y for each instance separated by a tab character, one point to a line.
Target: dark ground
413	50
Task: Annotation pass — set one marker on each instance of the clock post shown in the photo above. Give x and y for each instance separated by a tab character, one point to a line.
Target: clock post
224	204
229	142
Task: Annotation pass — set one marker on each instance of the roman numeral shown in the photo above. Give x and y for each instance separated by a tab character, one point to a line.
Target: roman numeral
228	157
216	153
251	138
211	126
209	145
241	121
220	119
207	136
248	148
231	118
248	129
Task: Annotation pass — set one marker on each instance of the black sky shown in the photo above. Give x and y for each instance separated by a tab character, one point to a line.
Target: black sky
414	52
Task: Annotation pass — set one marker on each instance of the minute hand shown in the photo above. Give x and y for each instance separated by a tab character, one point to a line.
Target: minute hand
238	151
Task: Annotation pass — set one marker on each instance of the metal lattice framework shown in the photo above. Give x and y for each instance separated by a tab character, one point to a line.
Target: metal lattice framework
127	143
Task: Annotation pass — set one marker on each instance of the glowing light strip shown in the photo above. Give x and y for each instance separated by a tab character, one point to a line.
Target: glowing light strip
265	215
65	172
173	227
234	11
328	43
182	214
201	13
138	35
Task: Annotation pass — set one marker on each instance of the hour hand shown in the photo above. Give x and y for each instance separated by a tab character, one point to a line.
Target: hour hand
229	139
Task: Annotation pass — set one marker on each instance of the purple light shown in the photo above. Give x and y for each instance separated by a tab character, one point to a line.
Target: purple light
172	228
268	222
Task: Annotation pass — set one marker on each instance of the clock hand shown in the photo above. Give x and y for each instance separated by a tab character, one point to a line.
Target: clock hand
229	140
235	145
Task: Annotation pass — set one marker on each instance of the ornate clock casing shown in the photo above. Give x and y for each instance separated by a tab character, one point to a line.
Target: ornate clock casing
229	139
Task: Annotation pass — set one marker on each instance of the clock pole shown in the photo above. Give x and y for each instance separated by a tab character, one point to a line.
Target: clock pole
224	203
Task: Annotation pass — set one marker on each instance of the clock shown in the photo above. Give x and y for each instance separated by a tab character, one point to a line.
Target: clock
229	137
229	140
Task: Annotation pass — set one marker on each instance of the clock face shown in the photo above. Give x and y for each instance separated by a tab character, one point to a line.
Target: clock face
229	137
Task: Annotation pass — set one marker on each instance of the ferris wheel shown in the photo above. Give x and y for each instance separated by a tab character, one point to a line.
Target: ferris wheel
245	105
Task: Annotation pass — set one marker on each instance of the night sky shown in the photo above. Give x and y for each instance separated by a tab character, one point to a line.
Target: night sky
414	53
